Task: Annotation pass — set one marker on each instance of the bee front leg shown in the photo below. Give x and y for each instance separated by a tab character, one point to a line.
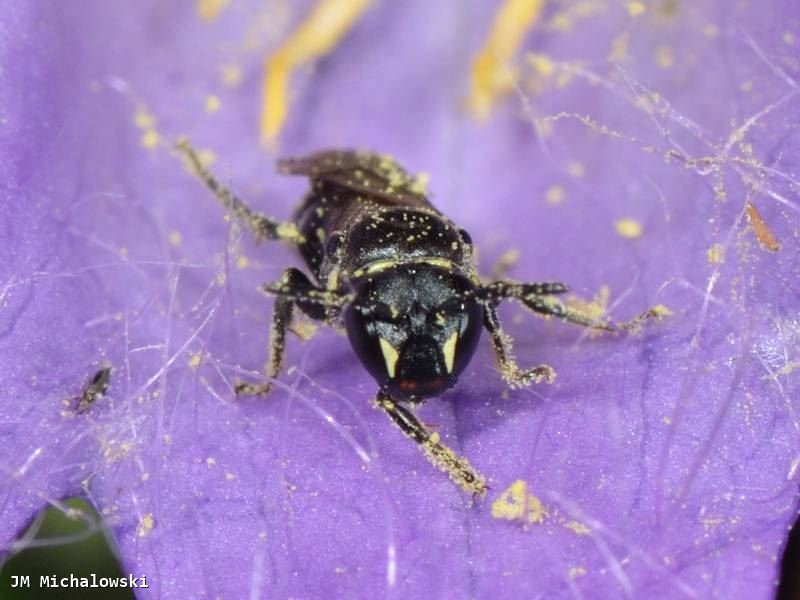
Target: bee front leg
281	320
293	290
443	458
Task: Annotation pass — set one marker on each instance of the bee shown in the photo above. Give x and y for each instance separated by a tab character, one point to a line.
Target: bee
399	276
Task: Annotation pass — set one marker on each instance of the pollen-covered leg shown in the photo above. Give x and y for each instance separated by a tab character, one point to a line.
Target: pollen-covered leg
318	303
281	319
442	457
294	289
262	226
536	297
554	308
503	350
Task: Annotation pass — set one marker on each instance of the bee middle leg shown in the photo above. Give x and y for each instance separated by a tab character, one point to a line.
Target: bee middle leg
538	298
293	290
263	227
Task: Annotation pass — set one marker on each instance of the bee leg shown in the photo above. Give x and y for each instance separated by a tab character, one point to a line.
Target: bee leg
293	290
443	458
262	226
552	307
512	374
537	298
281	319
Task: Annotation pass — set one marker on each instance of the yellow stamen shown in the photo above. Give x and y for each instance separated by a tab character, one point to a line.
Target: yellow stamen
323	29
209	10
490	71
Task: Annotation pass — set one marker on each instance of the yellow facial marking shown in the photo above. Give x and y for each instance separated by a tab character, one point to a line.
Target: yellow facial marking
449	351
390	357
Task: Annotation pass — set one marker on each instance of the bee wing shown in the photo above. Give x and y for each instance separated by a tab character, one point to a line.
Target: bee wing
359	171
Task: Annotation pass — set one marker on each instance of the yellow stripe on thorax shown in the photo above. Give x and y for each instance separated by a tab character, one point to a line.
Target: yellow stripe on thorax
379	266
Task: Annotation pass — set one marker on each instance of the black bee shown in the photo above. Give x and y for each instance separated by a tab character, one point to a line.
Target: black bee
400	276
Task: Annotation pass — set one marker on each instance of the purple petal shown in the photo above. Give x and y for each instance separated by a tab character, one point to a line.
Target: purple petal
665	461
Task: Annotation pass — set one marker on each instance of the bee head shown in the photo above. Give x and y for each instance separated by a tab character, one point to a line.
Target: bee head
415	328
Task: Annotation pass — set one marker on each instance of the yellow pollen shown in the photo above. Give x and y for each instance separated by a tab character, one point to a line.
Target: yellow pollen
146	524
716	254
517	504
230	75
554	194
628	228
212	104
